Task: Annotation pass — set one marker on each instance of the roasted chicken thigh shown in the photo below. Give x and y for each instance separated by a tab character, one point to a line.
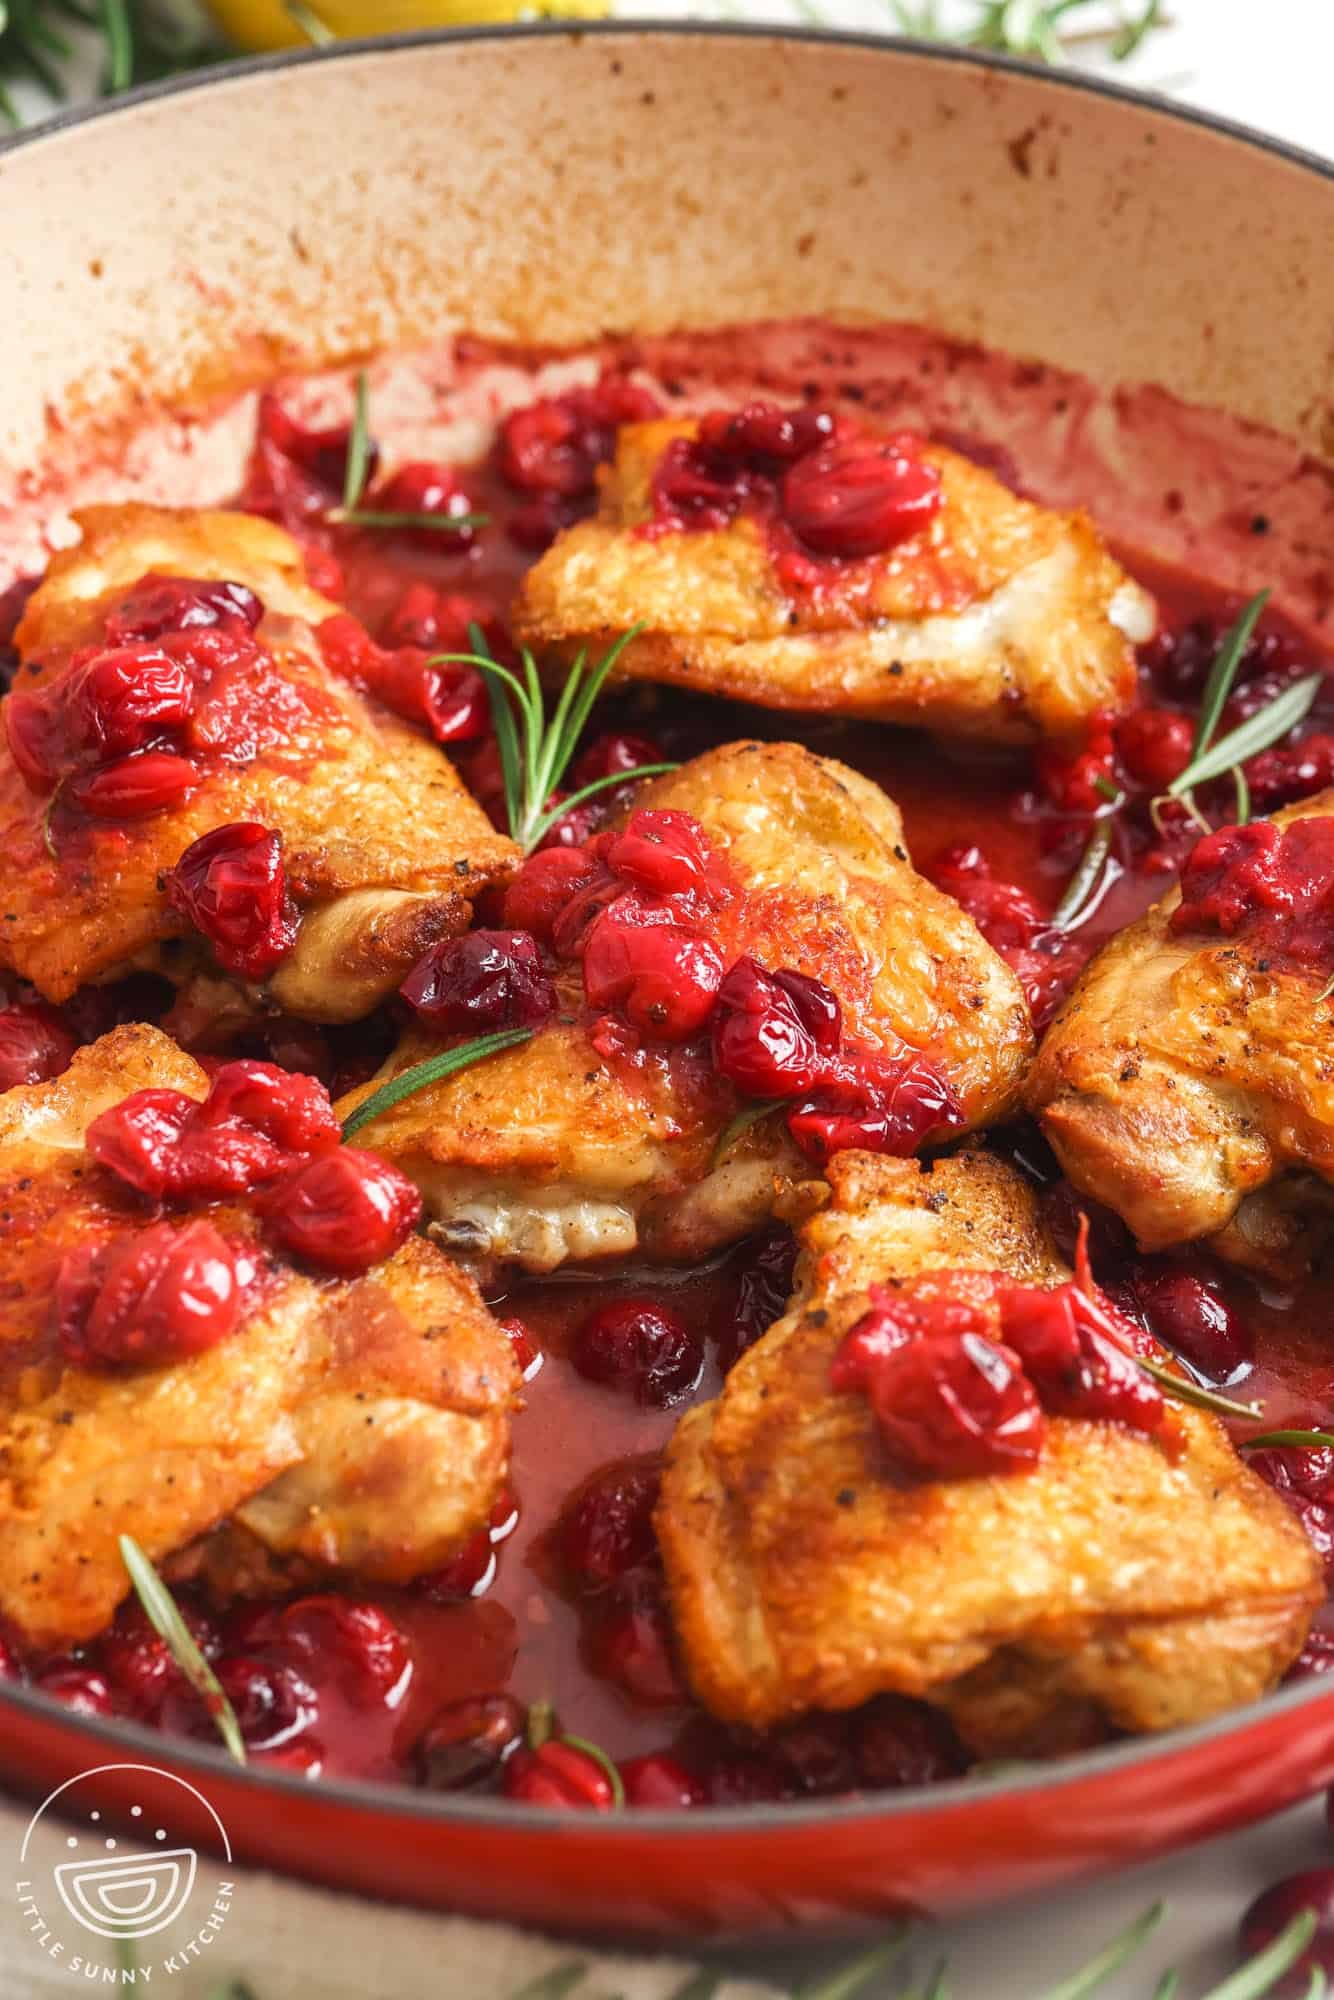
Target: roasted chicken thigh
1124	1579
174	682
597	1137
353	1424
991	618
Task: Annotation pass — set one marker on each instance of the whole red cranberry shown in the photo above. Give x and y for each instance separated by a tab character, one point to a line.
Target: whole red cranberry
470	1572
746	1778
775	1034
884	1107
1316	1657
860	498
159	604
359	1642
1006	915
135	787
479	982
81	1688
138	1663
1188	1313
631	1645
554	447
641	1349
438	621
231	886
607	1529
343	1211
544	887
272	1701
558	1774
659	1780
661	976
1155	745
35	1045
1273	1911
150	1299
766	437
427	488
665	853
120	700
291	1109
465	1746
954	1405
1281	776
816	1755
898	1743
1304	1477
611	754
764	1285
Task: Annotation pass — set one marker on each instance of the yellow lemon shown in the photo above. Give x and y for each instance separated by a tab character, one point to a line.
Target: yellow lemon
267	24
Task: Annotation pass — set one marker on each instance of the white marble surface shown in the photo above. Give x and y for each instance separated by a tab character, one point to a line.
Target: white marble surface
1269	64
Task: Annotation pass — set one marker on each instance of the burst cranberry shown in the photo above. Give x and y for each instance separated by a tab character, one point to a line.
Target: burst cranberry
479	982
139	1664
861	498
1155	745
697	487
573	828
949	1404
361	1642
658	1780
447	698
423	488
544	887
1273	885
1281	776
661	976
120	700
640	1349
1273	1911
632	1646
155	1142
438	621
763	1288
81	1688
151	781
666	853
1190	1315
34	1045
469	1573
765	437
36	739
150	1300
774	1033
607	1530
892	1107
1074	1349
527	1353
1075	782
465	1746
1006	915
231	886
160	604
612	754
897	1743
554	447
291	1109
1304	1477
558	1774
272	1701
319	455
344	1211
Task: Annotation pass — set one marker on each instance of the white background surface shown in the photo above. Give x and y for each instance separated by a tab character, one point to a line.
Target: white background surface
1270	64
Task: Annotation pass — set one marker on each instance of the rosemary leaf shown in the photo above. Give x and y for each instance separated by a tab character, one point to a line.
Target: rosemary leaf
1166	1988
357	463
554	1985
371	517
1308	1440
1110	1959
1183	1391
541	1725
1224	671
1257	733
750	1114
423	1074
700	1986
609	783
163	1614
1262	1973
851	1978
119	33
604	1764
1243	792
1083	884
302	16
1124	45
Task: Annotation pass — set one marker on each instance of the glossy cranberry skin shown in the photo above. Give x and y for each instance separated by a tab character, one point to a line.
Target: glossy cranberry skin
662	977
557	1774
1006	915
359	1641
765	437
774	1033
480	982
1079	1354
665	853
155	1142
606	1530
544	887
1289	772
35	1045
320	454
897	1743
138	1664
955	1405
1315	1659
136	787
889	1108
527	1353
447	698
764	1286
343	1211
288	1107
859	499
1191	1316
425	488
82	1689
658	1781
121	699
1075	783
272	1701
1155	745
465	1746
631	1645
230	885
160	604
1273	1911
150	1300
641	1350
468	1573
554	447
611	754
1304	1477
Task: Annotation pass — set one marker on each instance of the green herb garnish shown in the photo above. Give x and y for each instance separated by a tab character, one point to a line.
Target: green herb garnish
1182	1390
554	1985
604	1764
141	40
1110	1959
433	1070
1257	733
1085	885
164	1615
1308	1440
356	471
1035	28
1262	1973
851	1978
374	517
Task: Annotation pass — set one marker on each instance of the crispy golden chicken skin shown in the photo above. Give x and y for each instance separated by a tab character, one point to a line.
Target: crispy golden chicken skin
346	1425
555	1150
1188	1084
1000	620
1122	1581
383	847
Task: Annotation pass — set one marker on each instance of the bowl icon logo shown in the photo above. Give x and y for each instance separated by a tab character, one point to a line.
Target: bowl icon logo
127	1897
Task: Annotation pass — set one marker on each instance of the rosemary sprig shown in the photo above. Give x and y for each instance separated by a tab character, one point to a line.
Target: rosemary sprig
423	1074
700	1986
141	39
1308	1440
375	517
357	464
1030	27
1110	1958
1183	1390
356	471
1084	885
1262	1973
554	1985
851	1978
164	1615
535	750
1256	733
